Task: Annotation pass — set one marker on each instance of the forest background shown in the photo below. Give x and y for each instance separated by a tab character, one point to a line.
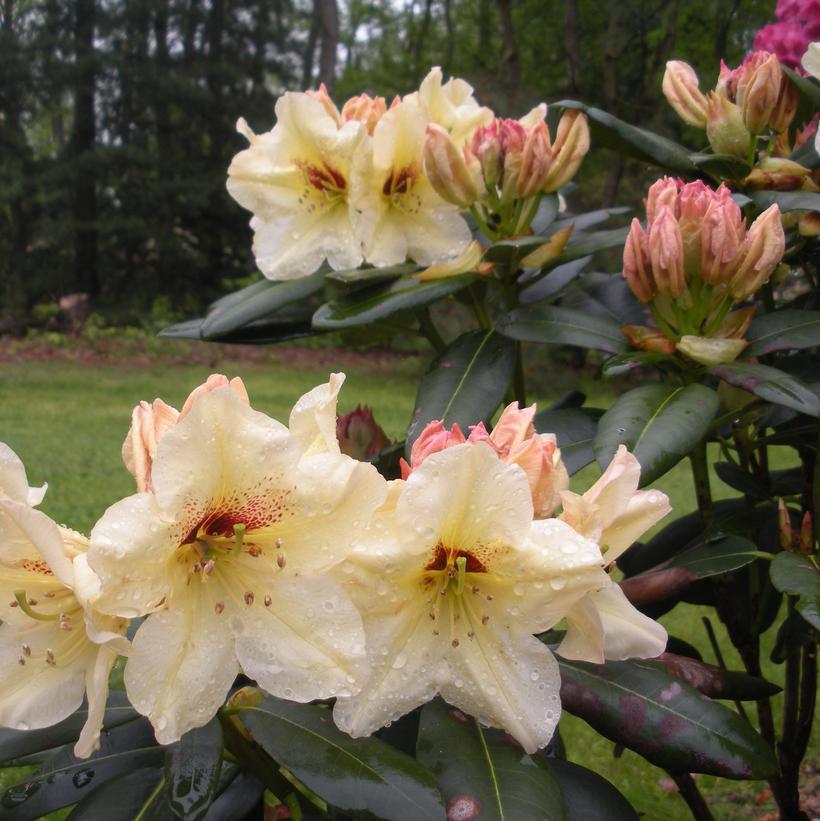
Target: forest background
117	117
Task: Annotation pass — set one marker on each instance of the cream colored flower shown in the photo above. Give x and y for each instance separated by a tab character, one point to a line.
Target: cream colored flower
401	215
13	481
54	647
457	582
451	105
296	181
613	513
229	556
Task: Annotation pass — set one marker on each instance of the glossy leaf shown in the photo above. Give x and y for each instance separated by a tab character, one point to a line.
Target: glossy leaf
360	275
192	768
799	576
259	301
659	423
632	141
64	780
715	682
771	384
381	302
782	331
588	796
787	200
716	556
552	283
465	384
556	325
136	795
808	88
632	361
359	776
574	429
589	219
510	252
483	773
18	743
721	166
605	295
240	796
189	329
546	214
639	705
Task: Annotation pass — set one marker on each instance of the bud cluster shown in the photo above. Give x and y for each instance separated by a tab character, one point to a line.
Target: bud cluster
502	169
694	260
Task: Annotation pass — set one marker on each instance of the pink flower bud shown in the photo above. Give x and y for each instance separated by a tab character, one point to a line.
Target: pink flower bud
807	534
485	146
725	128
784	521
636	264
762	250
365	109
682	90
568	151
359	435
721	235
694	201
648	339
665	245
535	161
777	174
517	442
662	192
758	89
786	106
447	168
432	439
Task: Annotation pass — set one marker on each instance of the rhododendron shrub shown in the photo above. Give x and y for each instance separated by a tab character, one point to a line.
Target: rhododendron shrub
303	618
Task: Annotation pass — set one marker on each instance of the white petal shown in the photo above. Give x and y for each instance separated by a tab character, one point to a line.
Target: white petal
130	548
13	480
405	657
313	418
584	639
182	664
644	509
308	643
96	686
509	681
615	487
465	497
628	633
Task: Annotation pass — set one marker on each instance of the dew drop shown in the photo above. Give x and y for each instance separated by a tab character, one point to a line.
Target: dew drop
399	661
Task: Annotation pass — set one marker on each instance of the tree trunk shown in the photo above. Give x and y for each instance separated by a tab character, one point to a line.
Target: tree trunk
447	63
84	164
510	64
310	47
329	27
420	40
572	46
611	55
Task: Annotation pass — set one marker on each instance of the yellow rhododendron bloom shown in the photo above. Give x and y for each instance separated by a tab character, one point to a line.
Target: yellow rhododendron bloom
296	181
228	557
457	582
613	513
401	215
54	647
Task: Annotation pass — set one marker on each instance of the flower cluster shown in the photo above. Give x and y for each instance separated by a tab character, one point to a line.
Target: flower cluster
798	24
695	260
378	184
261	548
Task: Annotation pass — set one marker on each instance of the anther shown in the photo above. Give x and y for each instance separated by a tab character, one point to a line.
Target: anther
470	634
280	560
208	567
13	604
21	661
25	605
249	598
254	551
267	600
49	594
49	654
474	589
218	607
435	632
485	619
454	642
489	597
279	544
32	602
26	649
239	537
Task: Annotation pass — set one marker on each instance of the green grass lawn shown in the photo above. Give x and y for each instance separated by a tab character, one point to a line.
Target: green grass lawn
67	423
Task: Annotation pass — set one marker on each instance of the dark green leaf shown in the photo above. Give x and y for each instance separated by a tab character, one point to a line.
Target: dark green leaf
546	214
136	795
588	796
787	200
363	776
381	302
716	682
605	295
552	283
631	361
17	743
240	796
807	87
189	329
64	780
259	301
793	635
639	705
740	480
484	773
582	245
589	219
782	331
721	166
798	576
659	423
575	430
510	252
357	275
806	155
260	286
192	769
632	141
556	325
771	384
715	557
268	331
464	384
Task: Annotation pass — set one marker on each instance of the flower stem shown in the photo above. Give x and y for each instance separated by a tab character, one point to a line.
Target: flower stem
479	310
430	331
703	491
692	796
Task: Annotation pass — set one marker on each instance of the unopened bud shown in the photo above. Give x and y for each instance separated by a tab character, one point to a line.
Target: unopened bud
682	90
535	161
447	169
322	96
365	109
648	339
359	435
568	151
785	108
722	232
784	523
485	146
665	245
662	192
763	248
777	174
725	128
758	90
807	535
636	269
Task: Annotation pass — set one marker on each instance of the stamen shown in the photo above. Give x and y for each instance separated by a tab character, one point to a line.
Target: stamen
454	642
208	567
50	657
21	661
254	551
26	649
267	600
280	560
461	565
218	607
49	594
485	619
239	537
249	598
20	597
279	544
474	589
